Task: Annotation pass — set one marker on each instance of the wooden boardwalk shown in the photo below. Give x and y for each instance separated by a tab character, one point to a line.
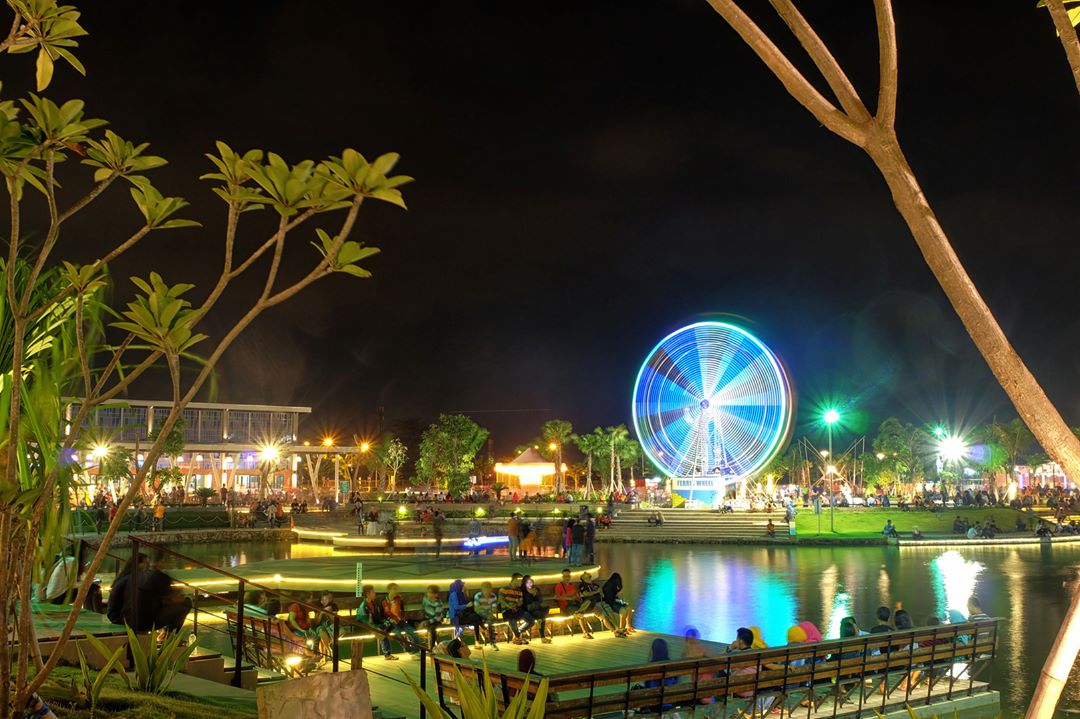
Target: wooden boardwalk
565	654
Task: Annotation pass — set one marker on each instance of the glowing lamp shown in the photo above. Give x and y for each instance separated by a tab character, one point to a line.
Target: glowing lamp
365	446
328	442
269	453
831	416
952	449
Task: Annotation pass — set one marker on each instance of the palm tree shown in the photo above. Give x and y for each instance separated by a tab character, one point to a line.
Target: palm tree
555	433
590	445
616	437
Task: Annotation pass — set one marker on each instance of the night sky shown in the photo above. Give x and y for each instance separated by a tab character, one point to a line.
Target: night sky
591	176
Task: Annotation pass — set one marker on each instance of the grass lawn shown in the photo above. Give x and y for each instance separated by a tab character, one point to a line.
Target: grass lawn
117	701
865	522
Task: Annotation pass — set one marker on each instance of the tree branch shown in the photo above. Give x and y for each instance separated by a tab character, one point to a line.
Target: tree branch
887	63
87	198
792	80
275	263
52	233
823	59
12	34
1067	36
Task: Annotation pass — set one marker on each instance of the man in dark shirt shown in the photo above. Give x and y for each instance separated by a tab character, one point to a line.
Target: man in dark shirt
883	616
122	595
160	605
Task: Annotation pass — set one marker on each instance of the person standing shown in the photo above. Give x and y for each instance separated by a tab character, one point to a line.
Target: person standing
159	516
438	526
474	536
577	541
590	539
512	535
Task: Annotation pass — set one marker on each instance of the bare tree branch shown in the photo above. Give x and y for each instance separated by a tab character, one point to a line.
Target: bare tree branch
1067	36
792	80
87	198
823	59
887	63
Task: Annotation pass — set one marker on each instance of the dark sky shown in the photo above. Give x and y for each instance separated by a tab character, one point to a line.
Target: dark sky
591	176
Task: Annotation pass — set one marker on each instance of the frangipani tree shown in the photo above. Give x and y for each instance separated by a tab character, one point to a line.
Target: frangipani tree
52	343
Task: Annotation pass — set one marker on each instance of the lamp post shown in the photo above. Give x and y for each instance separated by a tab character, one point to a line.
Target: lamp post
365	447
831	417
269	454
557	448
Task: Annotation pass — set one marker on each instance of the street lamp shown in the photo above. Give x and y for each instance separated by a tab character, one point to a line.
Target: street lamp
269	454
328	442
831	417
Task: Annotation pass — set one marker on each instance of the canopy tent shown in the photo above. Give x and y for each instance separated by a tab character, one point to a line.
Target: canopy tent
530	470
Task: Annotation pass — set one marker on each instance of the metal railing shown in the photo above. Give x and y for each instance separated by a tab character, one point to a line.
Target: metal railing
944	661
221	605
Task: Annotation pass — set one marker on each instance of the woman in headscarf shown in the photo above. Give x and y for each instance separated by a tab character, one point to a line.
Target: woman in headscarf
812	633
616	606
459	612
658	652
759	643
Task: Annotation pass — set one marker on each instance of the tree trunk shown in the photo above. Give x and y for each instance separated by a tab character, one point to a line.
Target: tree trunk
1034	407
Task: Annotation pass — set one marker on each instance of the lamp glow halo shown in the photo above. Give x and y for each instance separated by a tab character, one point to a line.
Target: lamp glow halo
711	400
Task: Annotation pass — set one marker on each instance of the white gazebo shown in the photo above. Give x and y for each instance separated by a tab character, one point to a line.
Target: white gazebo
531	471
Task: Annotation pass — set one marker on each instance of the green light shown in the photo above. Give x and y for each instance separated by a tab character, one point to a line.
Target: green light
831	416
939	431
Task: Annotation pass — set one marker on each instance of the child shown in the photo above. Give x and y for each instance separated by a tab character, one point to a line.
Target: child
485	603
433	613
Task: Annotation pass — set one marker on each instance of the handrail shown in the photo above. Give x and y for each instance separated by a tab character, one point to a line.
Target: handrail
836	667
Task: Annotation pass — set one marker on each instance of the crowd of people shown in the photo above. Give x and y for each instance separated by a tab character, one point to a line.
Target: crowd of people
521	605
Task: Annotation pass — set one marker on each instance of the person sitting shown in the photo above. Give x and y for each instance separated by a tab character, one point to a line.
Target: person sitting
433	613
485	604
959	526
63	581
616	606
533	601
160	606
770	530
568	598
658	653
884	615
511	602
916	533
393	606
889	530
458	649
592	597
121	605
369	611
526	662
974	531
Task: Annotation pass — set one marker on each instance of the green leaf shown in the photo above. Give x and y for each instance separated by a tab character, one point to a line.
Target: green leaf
44	69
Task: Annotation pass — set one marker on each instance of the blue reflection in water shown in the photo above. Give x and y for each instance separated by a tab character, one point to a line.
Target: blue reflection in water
717	595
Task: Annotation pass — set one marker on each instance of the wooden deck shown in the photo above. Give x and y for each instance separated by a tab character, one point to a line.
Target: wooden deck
565	654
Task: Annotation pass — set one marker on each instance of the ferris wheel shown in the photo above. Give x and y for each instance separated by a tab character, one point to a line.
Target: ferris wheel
711	400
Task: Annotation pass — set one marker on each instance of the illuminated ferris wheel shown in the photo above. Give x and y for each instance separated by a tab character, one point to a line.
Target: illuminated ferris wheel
711	400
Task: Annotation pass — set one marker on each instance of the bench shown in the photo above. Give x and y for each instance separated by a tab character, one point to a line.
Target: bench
269	643
869	672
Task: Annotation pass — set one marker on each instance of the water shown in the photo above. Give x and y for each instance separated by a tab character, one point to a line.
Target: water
720	588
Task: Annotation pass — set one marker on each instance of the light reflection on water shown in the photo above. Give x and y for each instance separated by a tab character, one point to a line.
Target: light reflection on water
718	589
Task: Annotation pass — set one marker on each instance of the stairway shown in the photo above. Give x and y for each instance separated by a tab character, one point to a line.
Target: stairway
699	526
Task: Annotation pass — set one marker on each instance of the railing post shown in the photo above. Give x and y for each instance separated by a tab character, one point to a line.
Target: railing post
134	585
195	613
237	679
423	679
334	649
